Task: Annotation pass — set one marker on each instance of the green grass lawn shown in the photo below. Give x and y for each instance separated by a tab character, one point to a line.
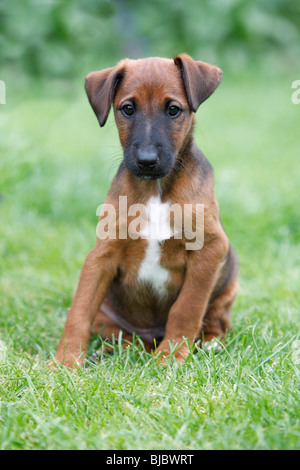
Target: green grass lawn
55	168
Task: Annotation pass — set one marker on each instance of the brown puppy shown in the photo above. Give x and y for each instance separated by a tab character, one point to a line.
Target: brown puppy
160	287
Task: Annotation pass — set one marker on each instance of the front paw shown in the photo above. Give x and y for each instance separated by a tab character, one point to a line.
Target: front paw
71	361
169	349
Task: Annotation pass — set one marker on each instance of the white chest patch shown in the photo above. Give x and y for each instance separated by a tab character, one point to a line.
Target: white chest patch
157	230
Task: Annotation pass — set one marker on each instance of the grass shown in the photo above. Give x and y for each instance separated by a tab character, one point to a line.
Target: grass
55	169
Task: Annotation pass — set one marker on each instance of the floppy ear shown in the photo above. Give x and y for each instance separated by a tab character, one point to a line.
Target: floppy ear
101	88
200	79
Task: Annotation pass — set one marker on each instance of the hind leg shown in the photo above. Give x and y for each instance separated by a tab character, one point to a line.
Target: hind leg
217	321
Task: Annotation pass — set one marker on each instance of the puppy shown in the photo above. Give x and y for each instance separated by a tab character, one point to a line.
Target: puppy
162	267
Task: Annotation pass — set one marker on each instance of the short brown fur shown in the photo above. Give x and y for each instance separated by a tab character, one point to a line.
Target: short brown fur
202	283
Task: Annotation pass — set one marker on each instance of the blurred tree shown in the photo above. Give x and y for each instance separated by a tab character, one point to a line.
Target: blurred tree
64	37
54	37
220	29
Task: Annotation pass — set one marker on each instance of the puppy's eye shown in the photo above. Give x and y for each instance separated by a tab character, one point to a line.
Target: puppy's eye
173	111
128	110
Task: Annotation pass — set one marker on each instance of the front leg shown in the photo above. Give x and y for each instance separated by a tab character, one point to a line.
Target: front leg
96	275
186	315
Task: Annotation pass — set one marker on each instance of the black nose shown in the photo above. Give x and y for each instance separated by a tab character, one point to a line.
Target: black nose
147	159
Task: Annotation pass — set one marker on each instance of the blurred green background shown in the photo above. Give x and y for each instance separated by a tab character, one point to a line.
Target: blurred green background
56	165
66	38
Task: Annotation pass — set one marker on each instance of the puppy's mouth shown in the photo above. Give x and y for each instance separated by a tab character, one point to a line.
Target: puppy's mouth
148	177
149	170
155	174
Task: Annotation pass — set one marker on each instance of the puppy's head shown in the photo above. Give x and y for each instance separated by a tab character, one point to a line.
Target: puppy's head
154	100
